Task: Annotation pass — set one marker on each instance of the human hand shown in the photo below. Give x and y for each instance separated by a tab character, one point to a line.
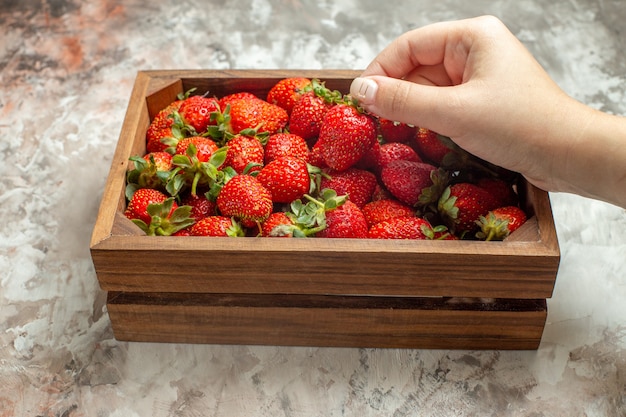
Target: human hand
474	81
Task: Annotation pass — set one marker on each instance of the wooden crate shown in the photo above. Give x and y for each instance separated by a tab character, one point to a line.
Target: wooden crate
321	292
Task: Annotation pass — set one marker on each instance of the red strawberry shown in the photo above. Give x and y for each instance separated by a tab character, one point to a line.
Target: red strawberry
201	206
407	179
227	99
501	190
315	157
395	131
462	204
395	151
307	115
161	128
345	221
278	224
255	114
246	199
287	91
430	146
358	184
285	144
196	111
205	147
381	210
156	213
244	151
401	228
286	178
345	136
217	226
500	222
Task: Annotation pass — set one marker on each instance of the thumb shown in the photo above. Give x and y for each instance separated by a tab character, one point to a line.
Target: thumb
404	101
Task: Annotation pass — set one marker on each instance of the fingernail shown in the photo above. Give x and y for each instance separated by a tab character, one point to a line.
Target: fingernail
364	90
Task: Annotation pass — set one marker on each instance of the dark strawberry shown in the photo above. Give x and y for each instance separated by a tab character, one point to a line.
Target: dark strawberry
395	151
246	199
462	204
381	210
196	111
278	224
396	131
216	226
430	146
345	221
244	152
285	144
346	135
500	222
407	179
201	206
287	92
357	184
286	178
500	189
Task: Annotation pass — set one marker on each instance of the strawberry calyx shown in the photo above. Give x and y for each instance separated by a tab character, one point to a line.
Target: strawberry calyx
164	221
310	218
492	228
191	172
146	174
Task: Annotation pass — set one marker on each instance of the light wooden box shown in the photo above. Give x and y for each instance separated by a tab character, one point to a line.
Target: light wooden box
313	292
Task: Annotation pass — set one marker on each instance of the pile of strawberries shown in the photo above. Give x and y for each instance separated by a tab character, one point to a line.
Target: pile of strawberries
306	161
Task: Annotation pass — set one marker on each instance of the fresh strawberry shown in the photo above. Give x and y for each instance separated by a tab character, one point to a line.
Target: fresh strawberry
395	151
500	222
256	114
246	199
285	144
345	136
381	210
167	124
407	179
345	221
430	146
244	152
286	178
286	92
309	111
217	226
500	189
395	131
156	213
205	147
315	157
201	206
357	184
196	111
150	171
370	160
278	224
229	98
462	204
401	228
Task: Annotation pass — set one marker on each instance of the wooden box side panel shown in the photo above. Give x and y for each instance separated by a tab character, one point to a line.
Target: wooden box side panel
329	321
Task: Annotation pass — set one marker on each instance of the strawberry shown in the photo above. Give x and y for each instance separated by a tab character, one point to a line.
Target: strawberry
430	146
244	152
401	228
201	206
198	166
256	114
217	226
205	147
166	124
345	221
315	157
286	178
345	136
229	98
285	144
308	112
196	111
406	180
500	222
286	92
246	199
278	224
394	151
156	213
462	204
151	171
381	210
395	131
500	189
357	184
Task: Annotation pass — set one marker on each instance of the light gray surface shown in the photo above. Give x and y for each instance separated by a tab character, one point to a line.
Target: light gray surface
67	68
